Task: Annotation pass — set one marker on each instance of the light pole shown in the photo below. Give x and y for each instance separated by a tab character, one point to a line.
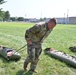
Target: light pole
67	16
25	17
41	14
64	19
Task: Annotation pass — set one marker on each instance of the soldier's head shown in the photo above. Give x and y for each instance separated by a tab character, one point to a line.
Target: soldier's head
52	23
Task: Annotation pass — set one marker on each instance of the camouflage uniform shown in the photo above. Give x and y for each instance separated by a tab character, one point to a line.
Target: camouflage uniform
73	48
36	34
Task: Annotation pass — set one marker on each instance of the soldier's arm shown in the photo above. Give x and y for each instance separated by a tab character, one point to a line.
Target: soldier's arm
27	37
31	31
35	28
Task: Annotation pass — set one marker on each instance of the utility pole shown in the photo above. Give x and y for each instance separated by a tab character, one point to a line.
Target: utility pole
41	15
25	17
67	16
64	19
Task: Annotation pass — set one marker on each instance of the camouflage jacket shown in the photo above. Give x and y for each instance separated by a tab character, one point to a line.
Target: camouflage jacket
37	33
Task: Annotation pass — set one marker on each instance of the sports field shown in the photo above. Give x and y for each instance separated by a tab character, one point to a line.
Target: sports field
62	37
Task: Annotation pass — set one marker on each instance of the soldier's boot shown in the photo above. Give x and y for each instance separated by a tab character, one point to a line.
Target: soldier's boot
33	71
26	62
33	66
25	66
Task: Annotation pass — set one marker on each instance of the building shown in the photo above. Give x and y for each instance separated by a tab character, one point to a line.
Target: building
72	20
31	20
62	20
69	20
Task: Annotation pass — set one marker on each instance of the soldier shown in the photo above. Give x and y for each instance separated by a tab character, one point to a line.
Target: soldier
34	37
73	48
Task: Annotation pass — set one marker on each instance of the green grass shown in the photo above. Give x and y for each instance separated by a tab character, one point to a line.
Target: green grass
61	38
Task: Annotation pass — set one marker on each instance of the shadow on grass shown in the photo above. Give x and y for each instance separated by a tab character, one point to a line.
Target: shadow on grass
7	61
4	60
22	72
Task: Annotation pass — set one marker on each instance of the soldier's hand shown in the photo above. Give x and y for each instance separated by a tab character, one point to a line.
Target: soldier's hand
29	42
41	41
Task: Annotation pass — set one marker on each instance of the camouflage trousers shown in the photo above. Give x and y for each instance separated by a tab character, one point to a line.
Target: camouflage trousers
34	50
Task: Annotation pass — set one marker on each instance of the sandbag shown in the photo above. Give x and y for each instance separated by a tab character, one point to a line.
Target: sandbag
9	53
71	60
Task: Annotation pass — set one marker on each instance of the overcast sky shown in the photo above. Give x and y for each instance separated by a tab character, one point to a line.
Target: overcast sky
40	8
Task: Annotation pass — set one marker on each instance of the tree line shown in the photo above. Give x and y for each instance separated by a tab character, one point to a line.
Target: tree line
5	15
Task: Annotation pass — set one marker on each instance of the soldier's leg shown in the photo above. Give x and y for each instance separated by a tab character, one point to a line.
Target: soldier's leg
26	62
38	52
32	54
29	57
34	63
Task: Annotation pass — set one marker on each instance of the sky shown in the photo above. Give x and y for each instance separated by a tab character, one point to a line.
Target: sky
40	8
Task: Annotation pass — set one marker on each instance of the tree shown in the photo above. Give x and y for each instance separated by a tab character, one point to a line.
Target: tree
44	18
41	19
13	18
20	19
2	1
2	14
1	19
7	16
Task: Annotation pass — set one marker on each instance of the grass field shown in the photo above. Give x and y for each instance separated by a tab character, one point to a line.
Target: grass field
61	38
